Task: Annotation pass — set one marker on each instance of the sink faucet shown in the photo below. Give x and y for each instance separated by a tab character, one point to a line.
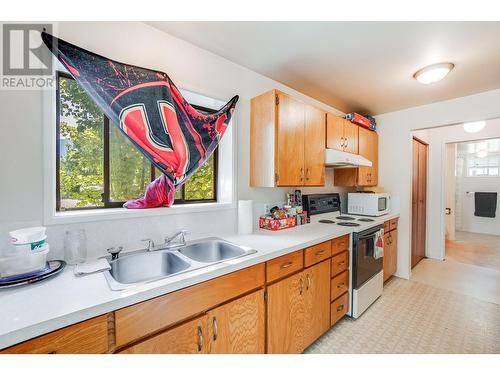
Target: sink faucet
182	239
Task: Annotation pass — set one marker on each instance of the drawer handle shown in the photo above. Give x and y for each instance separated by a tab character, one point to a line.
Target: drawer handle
320	252
340	263
340	308
200	338
216	328
286	265
341	285
341	243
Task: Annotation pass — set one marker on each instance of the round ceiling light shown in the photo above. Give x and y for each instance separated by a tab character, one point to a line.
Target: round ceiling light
474	127
433	73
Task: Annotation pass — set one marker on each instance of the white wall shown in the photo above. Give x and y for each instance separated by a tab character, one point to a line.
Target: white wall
192	68
395	155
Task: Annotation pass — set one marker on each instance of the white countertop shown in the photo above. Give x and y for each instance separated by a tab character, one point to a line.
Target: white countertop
33	310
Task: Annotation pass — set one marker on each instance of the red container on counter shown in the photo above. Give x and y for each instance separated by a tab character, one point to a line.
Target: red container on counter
277	224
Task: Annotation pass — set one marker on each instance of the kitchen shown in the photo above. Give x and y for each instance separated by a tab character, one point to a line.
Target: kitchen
230	284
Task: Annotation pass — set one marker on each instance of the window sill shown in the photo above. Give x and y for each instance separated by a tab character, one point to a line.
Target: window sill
83	216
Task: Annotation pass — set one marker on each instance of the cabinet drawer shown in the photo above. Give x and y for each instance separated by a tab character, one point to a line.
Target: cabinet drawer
387	226
339	285
284	265
317	253
88	337
340	263
393	224
339	308
340	244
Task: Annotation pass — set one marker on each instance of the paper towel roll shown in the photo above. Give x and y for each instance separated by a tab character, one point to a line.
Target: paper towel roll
245	217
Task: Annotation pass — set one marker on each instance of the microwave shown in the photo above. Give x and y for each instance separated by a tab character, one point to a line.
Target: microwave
368	204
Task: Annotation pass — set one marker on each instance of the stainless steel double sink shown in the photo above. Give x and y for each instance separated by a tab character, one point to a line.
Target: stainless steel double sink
145	266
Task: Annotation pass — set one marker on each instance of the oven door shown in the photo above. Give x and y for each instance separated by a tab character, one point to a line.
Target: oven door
365	266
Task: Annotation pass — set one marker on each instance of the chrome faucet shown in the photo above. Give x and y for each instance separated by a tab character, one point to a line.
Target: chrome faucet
182	239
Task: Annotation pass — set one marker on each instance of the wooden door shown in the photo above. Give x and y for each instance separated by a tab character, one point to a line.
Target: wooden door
334	132
368	148
290	141
419	201
188	338
314	147
238	327
286	316
351	134
317	301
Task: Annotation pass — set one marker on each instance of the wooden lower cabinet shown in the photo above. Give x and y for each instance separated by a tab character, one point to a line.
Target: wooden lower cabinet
88	337
238	327
317	304
298	310
187	338
390	253
286	315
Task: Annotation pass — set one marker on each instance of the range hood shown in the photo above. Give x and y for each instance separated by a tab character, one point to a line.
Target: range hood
340	159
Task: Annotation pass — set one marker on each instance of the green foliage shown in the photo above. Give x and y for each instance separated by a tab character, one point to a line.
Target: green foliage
81	168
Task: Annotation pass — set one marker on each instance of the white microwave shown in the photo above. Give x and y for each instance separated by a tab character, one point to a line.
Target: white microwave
368	204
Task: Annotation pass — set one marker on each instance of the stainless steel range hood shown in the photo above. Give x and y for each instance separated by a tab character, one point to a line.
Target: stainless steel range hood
340	159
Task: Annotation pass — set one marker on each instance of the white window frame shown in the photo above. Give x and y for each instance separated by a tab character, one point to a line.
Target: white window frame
226	171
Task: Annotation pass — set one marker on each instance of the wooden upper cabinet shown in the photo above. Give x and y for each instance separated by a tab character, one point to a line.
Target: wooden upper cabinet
361	176
368	148
287	142
290	141
286	316
341	134
317	301
238	327
314	147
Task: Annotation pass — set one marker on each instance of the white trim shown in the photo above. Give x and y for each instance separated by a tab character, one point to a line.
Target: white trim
226	177
101	214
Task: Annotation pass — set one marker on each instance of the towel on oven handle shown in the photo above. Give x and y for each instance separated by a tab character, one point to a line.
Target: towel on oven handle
378	251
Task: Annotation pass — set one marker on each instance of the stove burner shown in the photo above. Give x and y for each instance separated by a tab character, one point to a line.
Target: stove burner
325	221
349	224
365	219
345	218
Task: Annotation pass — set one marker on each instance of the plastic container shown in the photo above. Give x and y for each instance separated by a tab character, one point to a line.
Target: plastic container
23	262
31	246
27	235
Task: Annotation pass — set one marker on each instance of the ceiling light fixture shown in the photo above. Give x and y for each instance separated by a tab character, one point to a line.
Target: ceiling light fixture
482	154
474	127
433	73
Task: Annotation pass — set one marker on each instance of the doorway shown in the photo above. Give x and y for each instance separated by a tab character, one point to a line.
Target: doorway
472	189
419	201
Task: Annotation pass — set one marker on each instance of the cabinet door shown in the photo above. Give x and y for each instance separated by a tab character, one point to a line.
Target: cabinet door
317	301
290	142
334	132
387	256
286	316
188	338
238	327
394	252
314	147
350	137
368	148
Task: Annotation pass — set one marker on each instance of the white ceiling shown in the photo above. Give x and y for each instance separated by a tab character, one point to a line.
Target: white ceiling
357	66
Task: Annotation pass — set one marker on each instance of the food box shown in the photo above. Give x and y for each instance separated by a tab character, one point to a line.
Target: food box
266	222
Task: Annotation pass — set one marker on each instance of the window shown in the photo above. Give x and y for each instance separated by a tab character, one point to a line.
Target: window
482	158
98	167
